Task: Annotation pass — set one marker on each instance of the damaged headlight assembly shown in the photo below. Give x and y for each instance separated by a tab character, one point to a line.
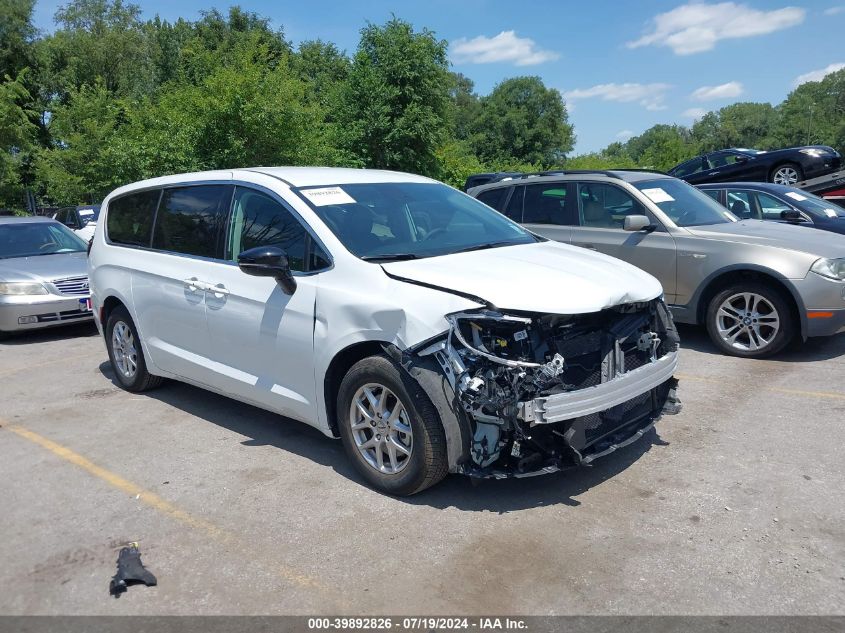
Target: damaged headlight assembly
546	392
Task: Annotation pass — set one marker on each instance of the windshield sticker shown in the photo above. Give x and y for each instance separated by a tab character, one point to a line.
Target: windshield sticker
796	196
658	195
326	196
86	212
830	213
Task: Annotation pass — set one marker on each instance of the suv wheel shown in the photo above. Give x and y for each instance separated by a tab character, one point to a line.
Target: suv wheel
125	353
787	174
751	320
389	428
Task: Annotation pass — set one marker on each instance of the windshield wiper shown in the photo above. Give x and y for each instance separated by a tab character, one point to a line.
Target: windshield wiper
481	247
390	257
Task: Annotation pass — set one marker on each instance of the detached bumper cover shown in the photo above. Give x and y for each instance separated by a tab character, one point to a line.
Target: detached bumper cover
575	404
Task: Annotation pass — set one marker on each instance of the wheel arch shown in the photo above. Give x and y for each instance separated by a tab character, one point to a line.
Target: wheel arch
726	276
785	161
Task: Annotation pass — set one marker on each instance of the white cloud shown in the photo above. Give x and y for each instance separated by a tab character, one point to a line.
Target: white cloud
713	93
624	135
834	10
696	27
504	47
694	113
650	96
817	75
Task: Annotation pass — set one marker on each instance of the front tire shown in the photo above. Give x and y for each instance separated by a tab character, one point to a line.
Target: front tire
786	174
126	354
389	428
750	320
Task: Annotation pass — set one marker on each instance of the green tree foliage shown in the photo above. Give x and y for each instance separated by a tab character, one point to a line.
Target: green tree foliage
814	113
661	147
522	120
394	106
17	137
739	125
16	36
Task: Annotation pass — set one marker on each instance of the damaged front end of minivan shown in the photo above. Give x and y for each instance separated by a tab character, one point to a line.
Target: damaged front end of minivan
526	394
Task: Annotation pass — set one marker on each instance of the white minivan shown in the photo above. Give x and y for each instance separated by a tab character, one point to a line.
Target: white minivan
428	332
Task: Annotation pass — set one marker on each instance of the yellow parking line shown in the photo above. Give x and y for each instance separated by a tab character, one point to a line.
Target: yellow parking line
150	498
792	392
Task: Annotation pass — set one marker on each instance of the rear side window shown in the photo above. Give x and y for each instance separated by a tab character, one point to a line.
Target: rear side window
713	193
190	219
690	167
494	198
258	220
548	203
130	218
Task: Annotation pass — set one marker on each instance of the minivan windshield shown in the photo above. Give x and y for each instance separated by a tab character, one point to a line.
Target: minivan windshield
400	220
29	239
684	204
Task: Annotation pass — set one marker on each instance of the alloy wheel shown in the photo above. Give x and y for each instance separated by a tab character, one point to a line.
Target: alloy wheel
786	176
747	321
381	428
123	349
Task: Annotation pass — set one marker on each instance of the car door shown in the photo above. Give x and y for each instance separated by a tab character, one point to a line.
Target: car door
743	204
262	343
691	170
601	212
548	209
169	283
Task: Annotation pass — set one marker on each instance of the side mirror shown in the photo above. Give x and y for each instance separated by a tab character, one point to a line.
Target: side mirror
791	216
268	261
637	223
741	159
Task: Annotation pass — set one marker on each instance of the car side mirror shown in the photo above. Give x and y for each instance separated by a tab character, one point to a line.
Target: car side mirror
637	223
268	261
741	159
791	216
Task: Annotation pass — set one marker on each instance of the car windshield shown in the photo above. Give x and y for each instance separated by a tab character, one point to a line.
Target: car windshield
684	204
29	239
384	221
815	206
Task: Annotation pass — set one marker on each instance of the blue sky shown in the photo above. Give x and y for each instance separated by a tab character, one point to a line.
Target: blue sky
622	66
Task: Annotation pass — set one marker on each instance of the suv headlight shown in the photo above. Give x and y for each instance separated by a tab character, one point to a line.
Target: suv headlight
830	268
815	153
21	288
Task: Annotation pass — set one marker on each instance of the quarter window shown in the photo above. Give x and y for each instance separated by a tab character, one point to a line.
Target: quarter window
514	208
130	218
259	220
605	206
547	203
494	198
190	219
713	193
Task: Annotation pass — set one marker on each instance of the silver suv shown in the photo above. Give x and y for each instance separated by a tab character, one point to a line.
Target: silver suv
755	285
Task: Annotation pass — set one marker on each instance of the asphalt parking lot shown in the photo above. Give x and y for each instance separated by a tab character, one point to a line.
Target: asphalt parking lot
735	506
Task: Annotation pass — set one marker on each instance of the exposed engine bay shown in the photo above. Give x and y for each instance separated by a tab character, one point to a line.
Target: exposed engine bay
545	392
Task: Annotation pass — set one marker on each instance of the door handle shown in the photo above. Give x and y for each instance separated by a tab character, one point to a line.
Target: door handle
219	291
194	285
714	173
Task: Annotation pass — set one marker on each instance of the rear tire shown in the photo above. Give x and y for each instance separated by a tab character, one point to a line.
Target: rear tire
126	354
389	428
786	174
750	320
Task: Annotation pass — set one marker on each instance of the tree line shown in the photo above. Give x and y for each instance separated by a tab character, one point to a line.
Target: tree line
109	98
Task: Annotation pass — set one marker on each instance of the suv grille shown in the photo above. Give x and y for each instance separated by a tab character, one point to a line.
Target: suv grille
73	286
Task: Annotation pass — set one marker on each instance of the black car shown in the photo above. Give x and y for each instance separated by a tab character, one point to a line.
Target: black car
766	201
782	166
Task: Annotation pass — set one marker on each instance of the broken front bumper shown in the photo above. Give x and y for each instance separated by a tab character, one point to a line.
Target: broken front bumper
574	404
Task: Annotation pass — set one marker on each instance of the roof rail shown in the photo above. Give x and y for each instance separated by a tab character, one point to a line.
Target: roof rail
610	173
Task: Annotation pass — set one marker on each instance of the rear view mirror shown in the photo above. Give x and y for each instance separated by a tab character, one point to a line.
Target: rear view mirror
637	223
791	216
268	261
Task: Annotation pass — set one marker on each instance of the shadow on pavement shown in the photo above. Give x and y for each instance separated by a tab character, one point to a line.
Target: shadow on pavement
500	496
48	335
821	348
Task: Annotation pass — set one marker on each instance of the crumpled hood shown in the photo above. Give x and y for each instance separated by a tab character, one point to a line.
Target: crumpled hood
777	234
44	267
546	277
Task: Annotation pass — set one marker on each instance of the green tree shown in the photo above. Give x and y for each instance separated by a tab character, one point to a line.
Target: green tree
661	147
17	137
744	124
17	34
465	105
814	113
393	112
522	120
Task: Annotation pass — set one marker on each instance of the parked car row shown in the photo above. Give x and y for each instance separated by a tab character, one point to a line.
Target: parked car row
428	332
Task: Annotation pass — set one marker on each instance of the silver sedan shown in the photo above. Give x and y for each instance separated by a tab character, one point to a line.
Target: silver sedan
43	275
